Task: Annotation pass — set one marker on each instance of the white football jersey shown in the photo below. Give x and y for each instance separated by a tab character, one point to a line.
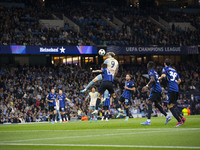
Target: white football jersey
93	98
112	64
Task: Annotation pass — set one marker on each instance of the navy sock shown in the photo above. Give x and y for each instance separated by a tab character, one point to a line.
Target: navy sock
127	112
149	111
62	117
50	117
97	103
160	109
175	114
179	113
103	115
53	117
107	115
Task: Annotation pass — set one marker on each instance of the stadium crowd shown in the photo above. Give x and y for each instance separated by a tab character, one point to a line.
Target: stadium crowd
22	26
23	90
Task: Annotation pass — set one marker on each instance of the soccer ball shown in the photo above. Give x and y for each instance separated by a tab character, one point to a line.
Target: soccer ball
102	52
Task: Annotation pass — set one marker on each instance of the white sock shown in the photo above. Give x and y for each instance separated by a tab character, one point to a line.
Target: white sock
148	120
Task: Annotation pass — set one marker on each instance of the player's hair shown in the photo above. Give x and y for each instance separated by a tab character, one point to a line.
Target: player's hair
111	54
104	65
150	65
168	61
129	75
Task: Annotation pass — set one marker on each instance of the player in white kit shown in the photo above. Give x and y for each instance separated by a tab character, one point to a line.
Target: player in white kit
112	65
93	98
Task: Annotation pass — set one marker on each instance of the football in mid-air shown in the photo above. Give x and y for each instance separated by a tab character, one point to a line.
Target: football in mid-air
102	52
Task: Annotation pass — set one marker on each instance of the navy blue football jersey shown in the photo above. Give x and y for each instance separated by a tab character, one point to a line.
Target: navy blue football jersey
107	76
155	87
61	99
172	77
107	96
127	94
52	97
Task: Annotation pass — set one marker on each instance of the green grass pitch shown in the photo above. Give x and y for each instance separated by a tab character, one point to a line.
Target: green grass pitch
115	134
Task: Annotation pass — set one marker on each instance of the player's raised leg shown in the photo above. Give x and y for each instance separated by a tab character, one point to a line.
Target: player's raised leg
97	78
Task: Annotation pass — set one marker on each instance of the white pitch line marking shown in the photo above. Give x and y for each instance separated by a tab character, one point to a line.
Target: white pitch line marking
93	135
93	145
70	137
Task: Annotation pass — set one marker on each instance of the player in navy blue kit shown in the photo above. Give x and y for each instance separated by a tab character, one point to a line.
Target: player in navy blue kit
62	97
173	82
126	96
106	105
51	97
106	84
155	94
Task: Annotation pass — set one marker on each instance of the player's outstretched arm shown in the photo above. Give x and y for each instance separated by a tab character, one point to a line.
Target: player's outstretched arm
87	98
179	81
131	89
68	99
152	80
95	71
116	71
49	100
162	77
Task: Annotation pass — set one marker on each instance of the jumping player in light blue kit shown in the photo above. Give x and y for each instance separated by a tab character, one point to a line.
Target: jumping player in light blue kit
112	65
173	82
126	96
155	94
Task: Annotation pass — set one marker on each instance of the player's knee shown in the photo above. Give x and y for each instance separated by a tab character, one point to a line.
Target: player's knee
95	79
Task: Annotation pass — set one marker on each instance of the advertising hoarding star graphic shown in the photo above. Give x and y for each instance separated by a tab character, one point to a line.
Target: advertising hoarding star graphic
62	50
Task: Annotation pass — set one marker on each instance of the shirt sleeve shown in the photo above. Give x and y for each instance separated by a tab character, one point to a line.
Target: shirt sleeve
150	73
178	77
106	61
164	71
48	96
103	70
131	84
